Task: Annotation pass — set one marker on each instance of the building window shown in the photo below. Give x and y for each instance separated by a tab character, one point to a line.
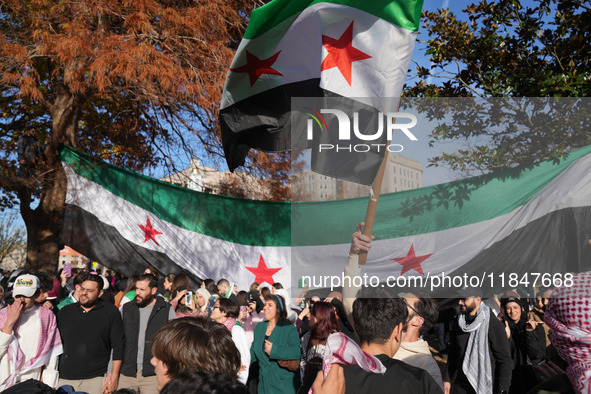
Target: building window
394	180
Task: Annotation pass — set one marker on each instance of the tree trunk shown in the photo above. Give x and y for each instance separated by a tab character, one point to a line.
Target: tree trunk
43	228
45	222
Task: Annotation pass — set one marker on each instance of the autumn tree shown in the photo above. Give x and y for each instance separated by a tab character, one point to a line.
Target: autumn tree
509	49
122	80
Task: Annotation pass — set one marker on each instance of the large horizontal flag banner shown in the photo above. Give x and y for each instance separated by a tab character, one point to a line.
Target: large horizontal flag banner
527	220
128	222
302	48
523	227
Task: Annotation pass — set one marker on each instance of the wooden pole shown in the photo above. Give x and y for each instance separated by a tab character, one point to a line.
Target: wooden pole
372	205
374	196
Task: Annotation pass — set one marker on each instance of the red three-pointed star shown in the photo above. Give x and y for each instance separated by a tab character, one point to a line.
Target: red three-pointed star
341	53
150	232
256	67
411	261
262	273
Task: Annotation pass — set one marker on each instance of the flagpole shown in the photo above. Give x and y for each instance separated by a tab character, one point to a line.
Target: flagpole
374	196
372	205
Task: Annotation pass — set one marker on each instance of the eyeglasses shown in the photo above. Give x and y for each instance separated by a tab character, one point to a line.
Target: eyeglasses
411	307
215	307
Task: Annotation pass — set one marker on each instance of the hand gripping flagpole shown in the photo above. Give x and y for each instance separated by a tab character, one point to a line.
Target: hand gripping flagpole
374	196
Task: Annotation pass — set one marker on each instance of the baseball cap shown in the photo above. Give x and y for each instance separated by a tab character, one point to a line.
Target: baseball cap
25	285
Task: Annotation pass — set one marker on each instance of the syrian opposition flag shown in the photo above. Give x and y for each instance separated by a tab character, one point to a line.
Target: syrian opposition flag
533	219
530	219
128	222
301	48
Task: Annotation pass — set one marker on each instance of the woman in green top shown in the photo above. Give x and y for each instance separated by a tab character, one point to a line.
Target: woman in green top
275	339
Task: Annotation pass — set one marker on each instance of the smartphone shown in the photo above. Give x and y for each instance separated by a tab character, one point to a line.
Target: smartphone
68	270
188	298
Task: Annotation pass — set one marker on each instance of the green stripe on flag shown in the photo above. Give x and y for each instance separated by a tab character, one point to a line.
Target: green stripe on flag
428	209
241	221
267	223
403	13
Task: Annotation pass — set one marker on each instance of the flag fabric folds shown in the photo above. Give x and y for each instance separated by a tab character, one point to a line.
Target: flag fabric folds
302	48
533	218
529	219
128	222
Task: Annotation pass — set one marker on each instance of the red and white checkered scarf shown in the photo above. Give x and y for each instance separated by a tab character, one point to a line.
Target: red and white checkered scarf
50	345
229	323
569	317
340	349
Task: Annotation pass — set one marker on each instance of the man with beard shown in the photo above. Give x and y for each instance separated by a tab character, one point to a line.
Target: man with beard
479	353
422	315
141	320
91	330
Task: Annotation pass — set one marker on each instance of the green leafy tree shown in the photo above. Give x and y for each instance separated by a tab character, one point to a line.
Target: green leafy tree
509	48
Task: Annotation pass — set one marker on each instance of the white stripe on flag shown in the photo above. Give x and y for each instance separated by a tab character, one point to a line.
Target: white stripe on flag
302	53
202	255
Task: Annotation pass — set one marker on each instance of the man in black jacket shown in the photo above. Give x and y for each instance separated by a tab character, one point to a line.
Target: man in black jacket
141	320
479	352
91	330
378	323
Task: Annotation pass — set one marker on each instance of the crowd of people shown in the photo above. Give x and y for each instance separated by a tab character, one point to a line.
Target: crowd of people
149	333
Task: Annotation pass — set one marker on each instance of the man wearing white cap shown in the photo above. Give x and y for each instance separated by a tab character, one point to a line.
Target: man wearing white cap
29	339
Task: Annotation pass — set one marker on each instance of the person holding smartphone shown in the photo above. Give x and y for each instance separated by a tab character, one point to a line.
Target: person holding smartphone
183	302
253	315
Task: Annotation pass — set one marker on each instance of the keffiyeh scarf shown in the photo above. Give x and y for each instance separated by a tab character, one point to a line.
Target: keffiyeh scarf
477	366
229	323
569	318
340	349
50	345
